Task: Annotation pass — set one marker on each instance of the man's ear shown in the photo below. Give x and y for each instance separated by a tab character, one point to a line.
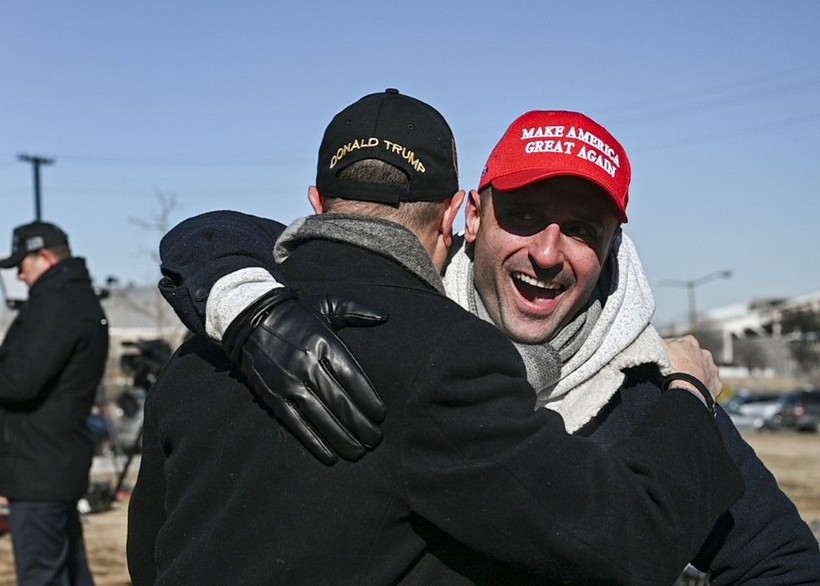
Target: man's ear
316	200
473	216
615	238
611	251
449	217
49	256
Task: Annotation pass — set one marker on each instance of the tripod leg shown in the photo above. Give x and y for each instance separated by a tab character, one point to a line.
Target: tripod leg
131	451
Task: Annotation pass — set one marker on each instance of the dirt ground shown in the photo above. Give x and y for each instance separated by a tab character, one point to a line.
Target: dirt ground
793	458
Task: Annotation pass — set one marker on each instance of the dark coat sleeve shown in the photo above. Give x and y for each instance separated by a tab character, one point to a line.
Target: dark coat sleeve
761	540
507	481
197	252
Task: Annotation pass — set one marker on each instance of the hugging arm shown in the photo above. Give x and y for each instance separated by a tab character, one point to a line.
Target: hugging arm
286	347
221	279
198	252
762	539
635	515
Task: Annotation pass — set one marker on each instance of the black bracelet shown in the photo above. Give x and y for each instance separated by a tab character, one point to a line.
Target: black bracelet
707	396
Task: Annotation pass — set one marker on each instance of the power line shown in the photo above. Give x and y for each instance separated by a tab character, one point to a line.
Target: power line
698	100
715	92
729	134
717	96
714	102
182	162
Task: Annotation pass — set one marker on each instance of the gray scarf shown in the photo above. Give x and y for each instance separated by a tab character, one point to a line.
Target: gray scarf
232	293
386	238
611	334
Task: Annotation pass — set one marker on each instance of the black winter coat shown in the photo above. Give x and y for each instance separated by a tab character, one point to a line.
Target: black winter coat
470	485
51	362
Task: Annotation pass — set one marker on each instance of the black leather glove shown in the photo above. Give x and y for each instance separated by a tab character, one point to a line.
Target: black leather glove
288	349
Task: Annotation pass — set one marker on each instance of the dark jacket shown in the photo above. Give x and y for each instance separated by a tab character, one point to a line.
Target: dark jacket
761	540
470	485
51	362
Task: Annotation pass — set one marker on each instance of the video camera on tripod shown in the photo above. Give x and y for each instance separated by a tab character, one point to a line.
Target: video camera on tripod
145	364
116	423
121	427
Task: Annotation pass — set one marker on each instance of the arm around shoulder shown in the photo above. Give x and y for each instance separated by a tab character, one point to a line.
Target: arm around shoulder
201	250
566	508
762	539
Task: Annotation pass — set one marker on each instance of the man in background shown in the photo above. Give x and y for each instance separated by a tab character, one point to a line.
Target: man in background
52	360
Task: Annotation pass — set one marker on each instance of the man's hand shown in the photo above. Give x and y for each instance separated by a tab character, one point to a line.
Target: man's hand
288	349
688	357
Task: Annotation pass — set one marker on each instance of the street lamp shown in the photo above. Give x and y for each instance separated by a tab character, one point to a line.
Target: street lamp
690	287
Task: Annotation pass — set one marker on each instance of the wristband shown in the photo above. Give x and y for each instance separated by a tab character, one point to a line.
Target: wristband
707	396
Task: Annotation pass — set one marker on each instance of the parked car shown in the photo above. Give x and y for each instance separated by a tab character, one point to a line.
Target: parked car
753	410
798	410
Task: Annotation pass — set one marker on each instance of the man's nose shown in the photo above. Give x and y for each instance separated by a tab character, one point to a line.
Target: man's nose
545	247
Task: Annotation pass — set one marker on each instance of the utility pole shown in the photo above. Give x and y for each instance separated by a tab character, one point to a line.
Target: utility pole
36	162
690	286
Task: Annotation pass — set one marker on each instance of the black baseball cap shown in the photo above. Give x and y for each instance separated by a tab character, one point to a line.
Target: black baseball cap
30	238
399	130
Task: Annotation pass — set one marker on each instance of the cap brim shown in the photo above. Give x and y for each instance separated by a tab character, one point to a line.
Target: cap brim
12	261
521	179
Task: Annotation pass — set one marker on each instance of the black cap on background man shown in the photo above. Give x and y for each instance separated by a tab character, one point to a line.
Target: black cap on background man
30	238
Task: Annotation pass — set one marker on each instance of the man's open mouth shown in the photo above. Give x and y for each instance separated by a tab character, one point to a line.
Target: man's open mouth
533	290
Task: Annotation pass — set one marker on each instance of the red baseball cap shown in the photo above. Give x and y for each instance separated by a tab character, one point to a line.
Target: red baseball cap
550	143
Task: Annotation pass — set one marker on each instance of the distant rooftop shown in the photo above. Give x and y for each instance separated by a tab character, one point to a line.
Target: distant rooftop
136	311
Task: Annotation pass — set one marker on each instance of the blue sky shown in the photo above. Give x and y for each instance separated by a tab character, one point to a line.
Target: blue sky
222	105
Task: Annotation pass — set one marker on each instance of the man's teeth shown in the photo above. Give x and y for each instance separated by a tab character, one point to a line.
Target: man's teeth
536	283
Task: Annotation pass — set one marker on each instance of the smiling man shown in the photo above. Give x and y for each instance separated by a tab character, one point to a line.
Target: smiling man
539	252
545	260
545	221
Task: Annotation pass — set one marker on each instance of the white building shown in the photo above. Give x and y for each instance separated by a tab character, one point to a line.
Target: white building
750	337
